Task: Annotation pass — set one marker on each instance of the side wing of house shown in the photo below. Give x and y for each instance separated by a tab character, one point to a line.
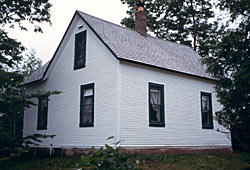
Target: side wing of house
164	109
85	113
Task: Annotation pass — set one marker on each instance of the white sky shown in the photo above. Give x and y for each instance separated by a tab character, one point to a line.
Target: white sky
62	12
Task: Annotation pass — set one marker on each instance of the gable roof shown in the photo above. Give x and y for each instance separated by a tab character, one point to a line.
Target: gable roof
128	45
37	75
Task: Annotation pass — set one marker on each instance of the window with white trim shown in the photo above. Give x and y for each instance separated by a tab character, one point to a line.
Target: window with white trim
87	105
156	105
206	111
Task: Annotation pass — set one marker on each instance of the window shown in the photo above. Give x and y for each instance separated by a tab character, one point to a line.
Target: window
87	106
42	113
156	105
80	50
206	111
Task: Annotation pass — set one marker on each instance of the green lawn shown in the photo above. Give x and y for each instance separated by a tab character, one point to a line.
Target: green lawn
237	161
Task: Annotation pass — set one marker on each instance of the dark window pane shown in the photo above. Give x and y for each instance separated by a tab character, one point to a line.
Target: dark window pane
42	113
155	96
79	62
87	105
205	103
88	100
87	116
43	105
206	111
87	108
155	113
156	105
80	50
205	117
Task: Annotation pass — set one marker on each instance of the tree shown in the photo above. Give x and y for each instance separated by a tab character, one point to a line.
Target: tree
13	95
15	12
230	65
31	63
187	22
13	101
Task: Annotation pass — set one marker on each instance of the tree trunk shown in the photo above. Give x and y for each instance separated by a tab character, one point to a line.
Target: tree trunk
194	27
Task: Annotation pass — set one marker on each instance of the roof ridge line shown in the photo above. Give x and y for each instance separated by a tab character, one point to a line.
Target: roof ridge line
159	38
148	35
106	21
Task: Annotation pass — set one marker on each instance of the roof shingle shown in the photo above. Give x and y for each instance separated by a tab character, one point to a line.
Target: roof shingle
127	44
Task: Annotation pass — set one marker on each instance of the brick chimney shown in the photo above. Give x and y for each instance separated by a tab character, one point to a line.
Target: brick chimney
141	20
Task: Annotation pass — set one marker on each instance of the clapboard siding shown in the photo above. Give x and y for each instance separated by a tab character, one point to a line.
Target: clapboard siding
120	101
182	109
64	112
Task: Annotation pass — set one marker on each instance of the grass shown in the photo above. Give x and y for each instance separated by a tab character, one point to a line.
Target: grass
197	161
236	161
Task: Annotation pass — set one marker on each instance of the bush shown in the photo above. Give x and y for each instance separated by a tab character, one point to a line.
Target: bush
11	148
108	158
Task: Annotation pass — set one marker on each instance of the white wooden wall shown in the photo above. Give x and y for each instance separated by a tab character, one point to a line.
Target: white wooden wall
121	102
182	110
64	112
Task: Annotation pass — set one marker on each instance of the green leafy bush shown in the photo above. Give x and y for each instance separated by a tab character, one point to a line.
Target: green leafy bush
11	148
108	158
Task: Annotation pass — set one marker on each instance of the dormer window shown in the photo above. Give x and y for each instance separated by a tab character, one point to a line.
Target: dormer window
80	50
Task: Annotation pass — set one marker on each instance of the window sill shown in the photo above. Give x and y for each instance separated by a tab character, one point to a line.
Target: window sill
79	67
41	128
156	124
86	125
207	127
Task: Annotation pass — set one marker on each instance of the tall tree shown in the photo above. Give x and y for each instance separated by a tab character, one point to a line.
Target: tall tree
187	22
30	63
230	65
13	14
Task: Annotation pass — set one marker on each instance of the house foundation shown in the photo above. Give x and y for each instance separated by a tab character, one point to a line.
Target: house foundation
148	151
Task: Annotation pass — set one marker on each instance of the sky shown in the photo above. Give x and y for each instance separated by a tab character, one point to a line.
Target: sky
62	11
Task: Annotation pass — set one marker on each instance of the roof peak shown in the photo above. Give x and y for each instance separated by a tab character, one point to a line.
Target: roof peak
121	26
126	44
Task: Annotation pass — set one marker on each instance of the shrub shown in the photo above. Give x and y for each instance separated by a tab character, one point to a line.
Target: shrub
108	158
11	148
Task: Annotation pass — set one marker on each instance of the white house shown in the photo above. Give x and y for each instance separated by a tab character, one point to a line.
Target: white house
147	92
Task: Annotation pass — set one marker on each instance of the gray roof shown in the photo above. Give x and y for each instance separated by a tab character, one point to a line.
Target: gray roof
37	75
127	44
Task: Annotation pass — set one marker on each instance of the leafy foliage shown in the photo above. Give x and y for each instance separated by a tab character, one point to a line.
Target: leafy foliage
14	147
18	11
13	100
34	140
184	21
108	158
12	143
230	65
10	50
30	63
